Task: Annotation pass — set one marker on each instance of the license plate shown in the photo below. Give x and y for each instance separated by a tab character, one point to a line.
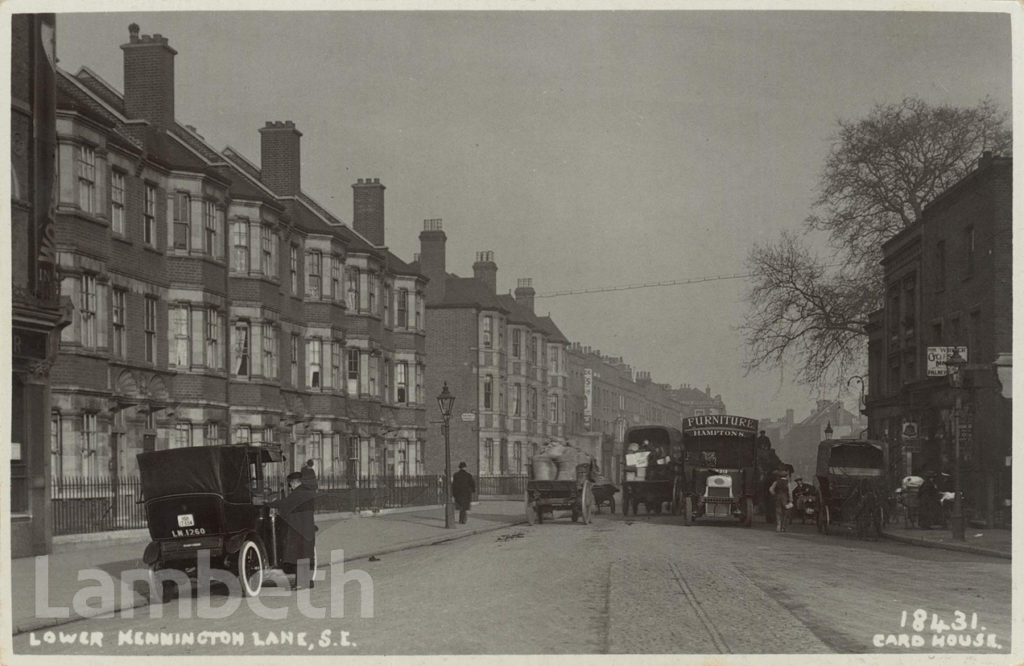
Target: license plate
186	520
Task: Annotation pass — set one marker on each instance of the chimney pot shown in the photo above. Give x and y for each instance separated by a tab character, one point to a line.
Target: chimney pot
148	78
368	209
281	157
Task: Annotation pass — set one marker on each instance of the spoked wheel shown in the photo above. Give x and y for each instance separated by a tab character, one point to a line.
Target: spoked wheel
530	509
748	506
677	499
611	505
588	502
250	569
826	520
688	510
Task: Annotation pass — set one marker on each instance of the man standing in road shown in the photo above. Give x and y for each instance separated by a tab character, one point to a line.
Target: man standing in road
296	510
463	488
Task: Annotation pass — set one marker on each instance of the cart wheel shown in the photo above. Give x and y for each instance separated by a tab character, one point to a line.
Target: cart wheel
611	505
688	510
250	569
530	509
748	505
587	500
161	590
826	519
677	500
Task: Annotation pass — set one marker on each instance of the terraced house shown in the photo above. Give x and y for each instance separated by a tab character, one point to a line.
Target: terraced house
216	302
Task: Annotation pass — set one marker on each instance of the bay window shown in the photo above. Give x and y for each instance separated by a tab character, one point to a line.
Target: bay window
240	246
314	275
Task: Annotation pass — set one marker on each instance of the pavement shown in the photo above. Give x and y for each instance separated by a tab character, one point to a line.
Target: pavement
357	536
994	542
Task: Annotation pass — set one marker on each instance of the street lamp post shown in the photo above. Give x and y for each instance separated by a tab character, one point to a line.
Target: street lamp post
955	365
445	401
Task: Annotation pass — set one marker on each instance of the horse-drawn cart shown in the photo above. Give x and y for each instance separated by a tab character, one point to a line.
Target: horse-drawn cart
546	497
852	485
651	469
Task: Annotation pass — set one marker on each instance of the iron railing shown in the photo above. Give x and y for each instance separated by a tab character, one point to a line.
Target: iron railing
86	504
502	485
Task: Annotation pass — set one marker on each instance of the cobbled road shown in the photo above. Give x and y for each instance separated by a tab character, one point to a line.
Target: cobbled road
620	585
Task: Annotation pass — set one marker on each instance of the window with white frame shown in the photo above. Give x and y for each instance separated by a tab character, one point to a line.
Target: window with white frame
87	179
314	369
214	328
295	359
293	267
149	215
243	435
553	409
149	326
314	274
517	343
386	380
182	219
403	308
269	351
531	348
117	319
337	379
352	289
181	437
386	302
517	399
88	304
117	201
488	391
371	293
533	402
488	457
336	269
553	358
418	305
241	353
353	372
89	443
487	332
210	228
419	383
401	382
315	449
214	434
268	252
374	373
517	459
240	246
178	316
198	328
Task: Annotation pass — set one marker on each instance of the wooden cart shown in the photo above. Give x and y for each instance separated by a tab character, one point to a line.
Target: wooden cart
545	497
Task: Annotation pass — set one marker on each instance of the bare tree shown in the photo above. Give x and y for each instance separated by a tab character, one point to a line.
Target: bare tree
879	175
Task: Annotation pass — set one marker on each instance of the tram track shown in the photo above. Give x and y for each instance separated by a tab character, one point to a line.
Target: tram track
717	639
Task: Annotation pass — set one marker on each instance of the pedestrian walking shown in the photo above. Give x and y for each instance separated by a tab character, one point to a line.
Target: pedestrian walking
309	475
780	491
463	487
296	511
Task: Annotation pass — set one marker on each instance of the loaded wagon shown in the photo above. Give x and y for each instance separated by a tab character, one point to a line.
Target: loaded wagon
544	497
651	467
852	485
720	471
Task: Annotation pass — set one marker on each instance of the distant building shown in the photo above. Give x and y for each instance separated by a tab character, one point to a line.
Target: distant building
797	444
948	282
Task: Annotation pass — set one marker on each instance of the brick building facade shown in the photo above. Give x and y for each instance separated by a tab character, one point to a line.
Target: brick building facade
37	313
948	283
214	301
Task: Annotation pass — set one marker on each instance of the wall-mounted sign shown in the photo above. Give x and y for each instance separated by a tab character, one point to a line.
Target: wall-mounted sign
588	397
469	417
937	357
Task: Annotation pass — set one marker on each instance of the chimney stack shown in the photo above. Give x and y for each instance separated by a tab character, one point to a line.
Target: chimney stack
485	269
432	258
149	78
280	158
368	209
525	293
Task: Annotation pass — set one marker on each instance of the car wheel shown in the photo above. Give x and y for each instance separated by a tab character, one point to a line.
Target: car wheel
250	568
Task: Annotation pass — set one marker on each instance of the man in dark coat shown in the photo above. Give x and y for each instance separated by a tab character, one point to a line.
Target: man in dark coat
463	488
295	512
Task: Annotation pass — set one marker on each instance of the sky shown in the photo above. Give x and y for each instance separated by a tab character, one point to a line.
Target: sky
585	149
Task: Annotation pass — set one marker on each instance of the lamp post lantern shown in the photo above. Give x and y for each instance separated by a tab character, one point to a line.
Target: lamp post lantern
445	401
955	365
828	429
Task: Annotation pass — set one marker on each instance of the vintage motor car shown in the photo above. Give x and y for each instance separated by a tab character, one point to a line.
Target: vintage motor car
719	469
212	499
